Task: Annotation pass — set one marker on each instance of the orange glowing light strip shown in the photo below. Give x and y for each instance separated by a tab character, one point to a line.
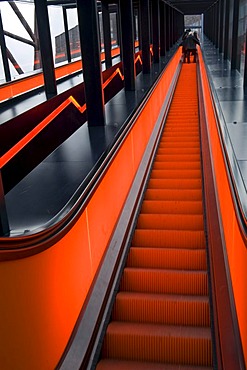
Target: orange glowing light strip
77	105
116	72
26	139
138	58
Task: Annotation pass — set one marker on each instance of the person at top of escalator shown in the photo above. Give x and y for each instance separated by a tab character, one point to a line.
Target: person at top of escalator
185	34
189	44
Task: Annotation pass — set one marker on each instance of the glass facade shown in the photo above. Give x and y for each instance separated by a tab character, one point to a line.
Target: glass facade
18	38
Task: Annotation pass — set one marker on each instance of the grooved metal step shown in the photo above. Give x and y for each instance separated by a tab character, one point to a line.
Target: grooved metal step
161	343
169	309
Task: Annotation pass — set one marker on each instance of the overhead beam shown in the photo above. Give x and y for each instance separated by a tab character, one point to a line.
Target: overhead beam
46	47
91	61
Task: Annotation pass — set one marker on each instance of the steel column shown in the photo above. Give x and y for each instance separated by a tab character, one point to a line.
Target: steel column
91	61
226	31
162	28
145	36
168	29
107	33
171	27
217	24
127	36
4	52
4	224
139	26
66	32
156	30
46	47
222	17
235	58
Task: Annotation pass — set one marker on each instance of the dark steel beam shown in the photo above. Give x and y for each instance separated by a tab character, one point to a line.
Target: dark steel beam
19	38
226	33
22	20
127	36
235	59
168	27
145	35
91	61
107	33
4	223
162	29
4	52
156	30
45	47
66	33
221	25
14	62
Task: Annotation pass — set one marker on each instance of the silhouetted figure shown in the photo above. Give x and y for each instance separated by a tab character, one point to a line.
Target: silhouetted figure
184	36
189	45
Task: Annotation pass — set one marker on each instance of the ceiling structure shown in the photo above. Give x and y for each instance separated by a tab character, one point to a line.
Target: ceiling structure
187	7
190	7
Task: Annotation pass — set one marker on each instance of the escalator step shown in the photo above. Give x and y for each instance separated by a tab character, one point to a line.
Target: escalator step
178	157
169	165
176	174
162	309
166	258
109	364
170	222
177	150
173	194
169	239
161	343
164	281
174	184
171	206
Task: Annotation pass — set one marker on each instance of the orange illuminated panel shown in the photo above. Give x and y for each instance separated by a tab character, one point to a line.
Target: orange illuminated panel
236	247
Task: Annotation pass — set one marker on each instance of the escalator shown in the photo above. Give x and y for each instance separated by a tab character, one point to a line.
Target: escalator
161	314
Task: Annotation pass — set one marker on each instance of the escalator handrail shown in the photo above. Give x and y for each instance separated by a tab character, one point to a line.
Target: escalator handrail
226	335
235	180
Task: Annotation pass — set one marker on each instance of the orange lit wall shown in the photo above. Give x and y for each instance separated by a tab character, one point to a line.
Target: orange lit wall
42	295
236	249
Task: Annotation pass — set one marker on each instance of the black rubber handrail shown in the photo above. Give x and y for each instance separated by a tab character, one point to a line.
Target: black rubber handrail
237	187
228	352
